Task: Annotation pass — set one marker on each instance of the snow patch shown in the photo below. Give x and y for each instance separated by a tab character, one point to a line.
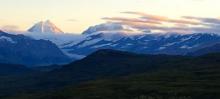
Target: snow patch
87	43
170	44
186	47
71	55
99	46
186	39
162	48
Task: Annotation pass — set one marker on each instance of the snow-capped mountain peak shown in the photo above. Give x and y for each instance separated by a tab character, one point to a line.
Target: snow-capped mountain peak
111	27
103	27
45	27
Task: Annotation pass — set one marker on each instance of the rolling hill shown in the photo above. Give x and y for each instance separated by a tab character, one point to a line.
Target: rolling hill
122	75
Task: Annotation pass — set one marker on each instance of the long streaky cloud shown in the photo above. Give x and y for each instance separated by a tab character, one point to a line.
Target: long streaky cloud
129	19
162	18
205	20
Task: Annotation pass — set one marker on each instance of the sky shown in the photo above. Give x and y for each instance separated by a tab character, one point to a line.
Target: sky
74	16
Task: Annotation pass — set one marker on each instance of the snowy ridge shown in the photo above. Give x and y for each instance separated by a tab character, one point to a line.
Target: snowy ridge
174	44
8	39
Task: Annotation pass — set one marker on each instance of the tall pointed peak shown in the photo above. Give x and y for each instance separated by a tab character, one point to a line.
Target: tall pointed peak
45	27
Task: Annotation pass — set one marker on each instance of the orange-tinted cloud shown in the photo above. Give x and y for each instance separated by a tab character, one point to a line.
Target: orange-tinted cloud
131	19
163	19
10	28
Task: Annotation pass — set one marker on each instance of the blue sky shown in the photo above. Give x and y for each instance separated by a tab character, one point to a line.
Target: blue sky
76	15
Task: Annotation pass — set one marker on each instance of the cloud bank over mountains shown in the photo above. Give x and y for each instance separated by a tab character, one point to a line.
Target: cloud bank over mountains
155	23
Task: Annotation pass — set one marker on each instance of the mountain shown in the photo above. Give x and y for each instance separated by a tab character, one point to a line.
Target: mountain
147	43
210	49
46	30
110	28
127	75
45	27
19	49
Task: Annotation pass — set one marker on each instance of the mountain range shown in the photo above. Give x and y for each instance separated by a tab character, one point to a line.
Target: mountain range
103	36
114	37
120	37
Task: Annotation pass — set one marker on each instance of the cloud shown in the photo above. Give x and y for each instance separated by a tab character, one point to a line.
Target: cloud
204	20
129	19
71	20
184	24
162	18
10	28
